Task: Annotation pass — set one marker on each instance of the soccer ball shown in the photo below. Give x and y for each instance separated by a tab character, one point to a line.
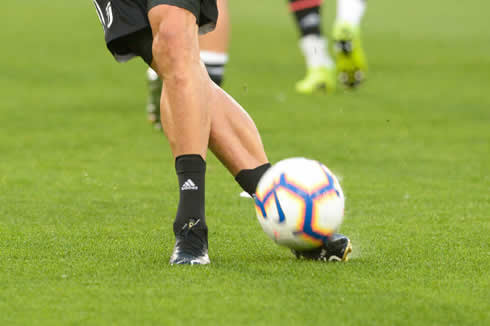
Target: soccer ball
299	203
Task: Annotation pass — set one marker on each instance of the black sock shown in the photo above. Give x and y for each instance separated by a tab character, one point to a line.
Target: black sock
191	170
249	179
307	15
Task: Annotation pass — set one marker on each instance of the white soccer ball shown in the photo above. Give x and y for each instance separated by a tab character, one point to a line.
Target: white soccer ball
299	203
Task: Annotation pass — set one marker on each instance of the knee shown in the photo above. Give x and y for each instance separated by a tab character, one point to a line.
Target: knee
172	49
166	42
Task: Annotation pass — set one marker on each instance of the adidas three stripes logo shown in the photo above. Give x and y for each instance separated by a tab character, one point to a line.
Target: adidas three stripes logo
189	185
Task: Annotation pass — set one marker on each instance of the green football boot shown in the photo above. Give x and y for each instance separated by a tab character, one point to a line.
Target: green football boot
349	54
317	79
153	102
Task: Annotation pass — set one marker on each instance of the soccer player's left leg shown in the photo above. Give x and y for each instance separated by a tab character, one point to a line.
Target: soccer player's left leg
214	55
194	111
320	73
186	122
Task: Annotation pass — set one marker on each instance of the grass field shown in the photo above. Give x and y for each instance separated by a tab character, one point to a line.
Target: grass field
88	189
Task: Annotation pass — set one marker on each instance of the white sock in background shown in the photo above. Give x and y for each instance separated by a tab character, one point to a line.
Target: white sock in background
315	50
151	74
350	11
215	63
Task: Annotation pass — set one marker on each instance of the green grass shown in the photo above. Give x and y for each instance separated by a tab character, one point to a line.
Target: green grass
88	190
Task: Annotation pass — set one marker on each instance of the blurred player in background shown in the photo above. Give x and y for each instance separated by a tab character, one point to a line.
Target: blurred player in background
350	63
214	55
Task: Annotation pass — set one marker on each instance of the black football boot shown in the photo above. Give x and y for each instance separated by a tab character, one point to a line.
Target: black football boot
191	245
337	248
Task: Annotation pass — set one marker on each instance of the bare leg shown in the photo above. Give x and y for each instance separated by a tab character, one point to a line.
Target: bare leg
232	134
214	53
194	111
186	122
234	137
184	107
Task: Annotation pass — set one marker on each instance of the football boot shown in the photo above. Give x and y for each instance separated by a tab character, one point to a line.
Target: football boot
191	245
320	79
337	248
349	54
153	102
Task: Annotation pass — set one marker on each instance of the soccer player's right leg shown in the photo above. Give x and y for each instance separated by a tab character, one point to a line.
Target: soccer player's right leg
235	141
349	53
186	122
320	72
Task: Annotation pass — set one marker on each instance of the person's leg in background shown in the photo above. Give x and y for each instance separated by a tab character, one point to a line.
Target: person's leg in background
214	45
349	54
320	68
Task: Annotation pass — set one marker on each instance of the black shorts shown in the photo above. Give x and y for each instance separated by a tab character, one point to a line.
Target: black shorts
127	29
